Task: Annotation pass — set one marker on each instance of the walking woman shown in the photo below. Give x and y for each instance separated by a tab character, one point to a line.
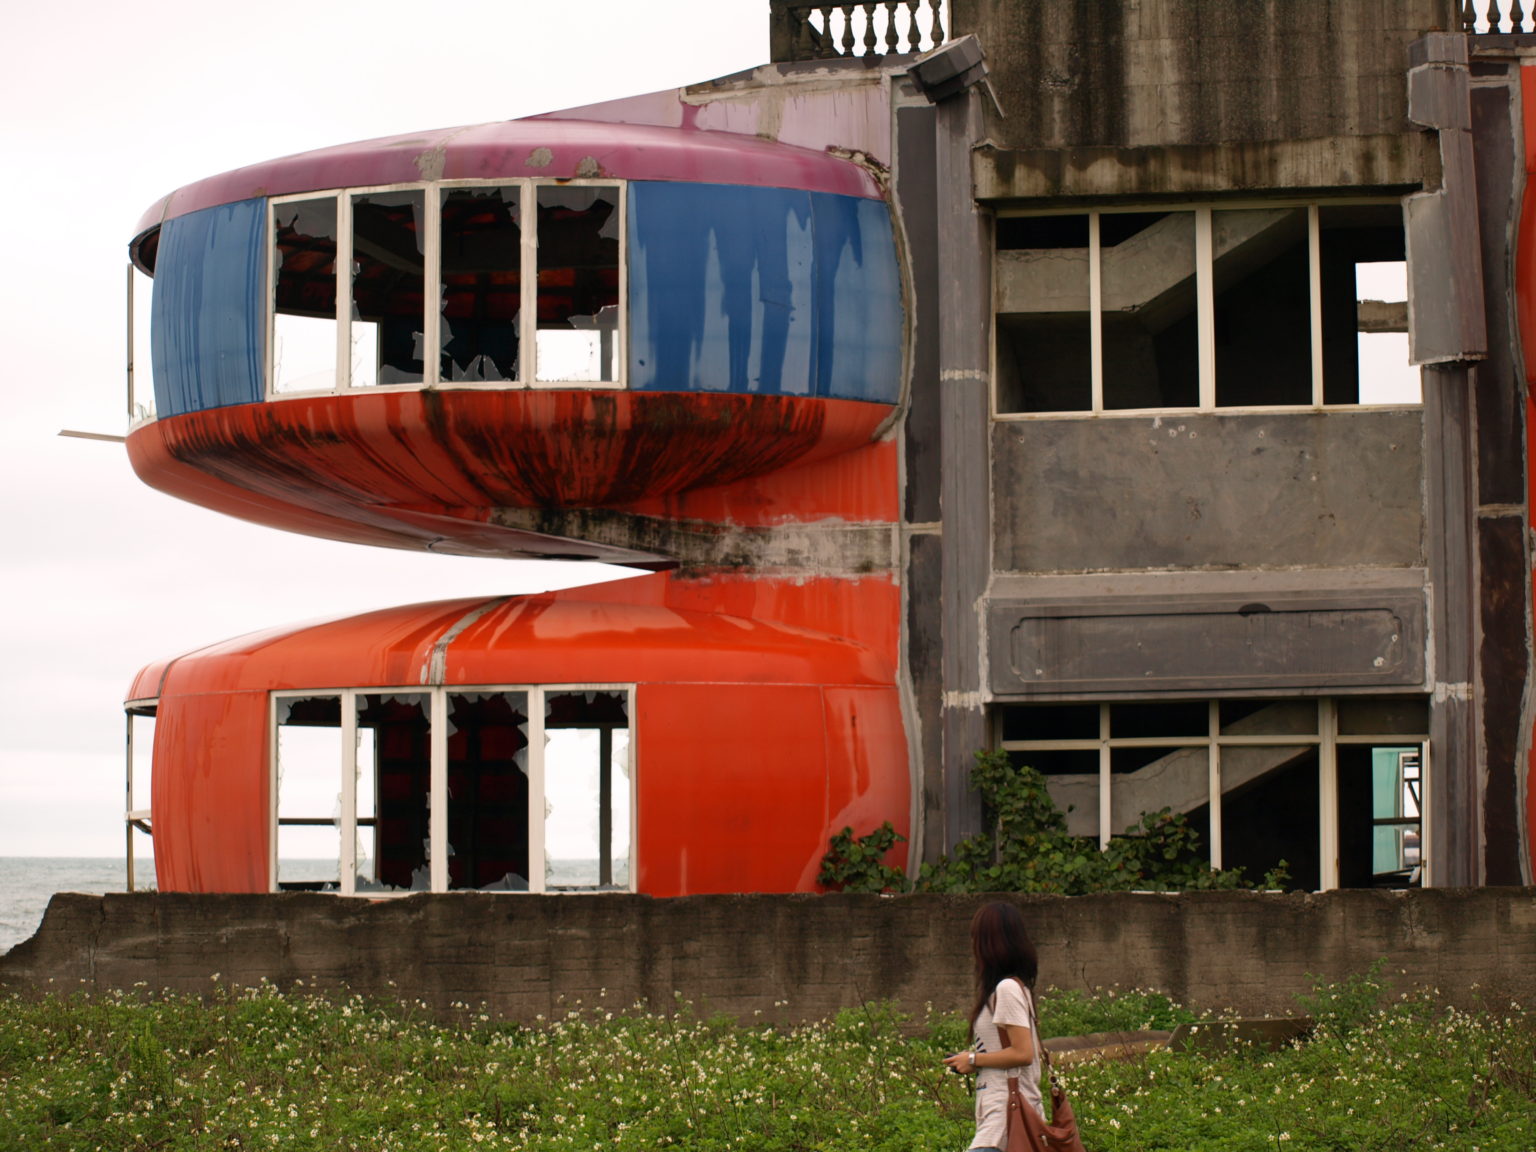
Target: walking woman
1002	1041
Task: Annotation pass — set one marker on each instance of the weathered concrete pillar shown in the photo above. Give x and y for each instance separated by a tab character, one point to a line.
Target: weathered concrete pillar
965	301
1448	333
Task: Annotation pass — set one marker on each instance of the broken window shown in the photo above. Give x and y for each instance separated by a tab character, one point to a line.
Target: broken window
456	270
392	770
1332	789
578	284
304	325
1202	309
488	791
436	790
482	293
387	332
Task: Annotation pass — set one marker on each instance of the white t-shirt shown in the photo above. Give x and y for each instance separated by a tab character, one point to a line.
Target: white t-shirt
1009	1006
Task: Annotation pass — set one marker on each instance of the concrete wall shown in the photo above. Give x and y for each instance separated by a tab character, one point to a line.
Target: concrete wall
1191	97
740	954
1070	73
1204	490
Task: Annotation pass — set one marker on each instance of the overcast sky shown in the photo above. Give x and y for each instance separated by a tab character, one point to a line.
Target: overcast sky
107	107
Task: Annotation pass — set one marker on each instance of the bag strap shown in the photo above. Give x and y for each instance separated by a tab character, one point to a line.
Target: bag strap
1042	1053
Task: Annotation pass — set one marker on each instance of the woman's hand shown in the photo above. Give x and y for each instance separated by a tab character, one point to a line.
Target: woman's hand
961	1062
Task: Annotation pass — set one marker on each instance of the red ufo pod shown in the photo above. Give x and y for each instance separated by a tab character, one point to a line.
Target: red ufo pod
535	743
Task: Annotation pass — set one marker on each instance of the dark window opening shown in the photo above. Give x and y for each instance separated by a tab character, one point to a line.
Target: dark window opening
1150	332
1269	813
1173	718
1263	296
388	288
1025	232
482	283
400	731
488	790
1044	363
1353	238
1051	722
1044	326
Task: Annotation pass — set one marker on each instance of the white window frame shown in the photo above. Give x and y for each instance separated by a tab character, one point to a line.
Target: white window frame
136	812
433	287
437	819
1326	739
1205	294
139	386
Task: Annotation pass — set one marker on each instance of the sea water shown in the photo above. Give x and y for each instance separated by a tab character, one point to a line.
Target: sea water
27	883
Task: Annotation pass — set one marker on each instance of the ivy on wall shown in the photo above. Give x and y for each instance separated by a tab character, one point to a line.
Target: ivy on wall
1027	848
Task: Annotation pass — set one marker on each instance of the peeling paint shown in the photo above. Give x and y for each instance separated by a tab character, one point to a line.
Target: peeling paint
435	670
539	158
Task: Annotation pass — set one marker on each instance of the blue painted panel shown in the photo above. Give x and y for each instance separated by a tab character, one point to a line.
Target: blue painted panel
859	335
206	319
769	290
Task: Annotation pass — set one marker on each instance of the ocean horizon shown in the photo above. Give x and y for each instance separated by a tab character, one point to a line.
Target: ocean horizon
27	883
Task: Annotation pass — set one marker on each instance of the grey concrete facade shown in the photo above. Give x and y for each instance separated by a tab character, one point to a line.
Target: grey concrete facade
1174	546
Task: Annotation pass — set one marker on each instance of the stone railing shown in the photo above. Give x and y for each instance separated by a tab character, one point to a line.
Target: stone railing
1495	16
808	31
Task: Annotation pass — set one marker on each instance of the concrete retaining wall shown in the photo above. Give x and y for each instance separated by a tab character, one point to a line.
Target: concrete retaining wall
790	957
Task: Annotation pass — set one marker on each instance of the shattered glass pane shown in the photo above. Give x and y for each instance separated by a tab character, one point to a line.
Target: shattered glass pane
482	283
304	329
488	791
578	284
398	744
388	288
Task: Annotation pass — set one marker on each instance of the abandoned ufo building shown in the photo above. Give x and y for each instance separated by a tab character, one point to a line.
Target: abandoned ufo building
1142	388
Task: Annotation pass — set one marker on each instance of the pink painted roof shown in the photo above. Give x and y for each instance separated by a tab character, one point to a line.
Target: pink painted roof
560	149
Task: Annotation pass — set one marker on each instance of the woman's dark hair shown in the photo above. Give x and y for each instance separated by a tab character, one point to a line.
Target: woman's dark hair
1002	948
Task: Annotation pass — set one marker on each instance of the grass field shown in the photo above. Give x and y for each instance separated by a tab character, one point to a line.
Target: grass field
258	1069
